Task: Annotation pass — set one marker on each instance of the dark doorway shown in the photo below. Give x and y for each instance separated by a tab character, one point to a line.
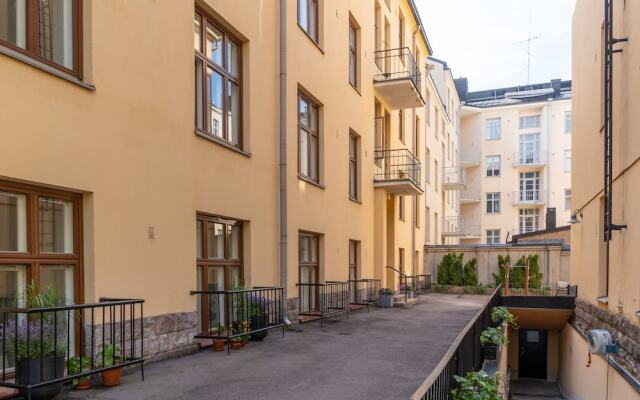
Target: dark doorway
532	362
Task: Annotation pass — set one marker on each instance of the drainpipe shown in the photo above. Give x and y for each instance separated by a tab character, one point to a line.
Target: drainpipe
283	151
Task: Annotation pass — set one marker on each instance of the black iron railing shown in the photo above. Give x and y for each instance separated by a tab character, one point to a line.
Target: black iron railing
323	300
464	355
397	165
394	64
403	282
48	346
423	283
237	314
364	291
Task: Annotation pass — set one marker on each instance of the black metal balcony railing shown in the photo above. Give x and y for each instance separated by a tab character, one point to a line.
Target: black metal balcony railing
42	348
397	165
364	292
396	64
322	300
464	355
232	314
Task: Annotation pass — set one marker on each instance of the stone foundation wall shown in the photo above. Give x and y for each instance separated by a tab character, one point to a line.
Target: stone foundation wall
292	309
588	316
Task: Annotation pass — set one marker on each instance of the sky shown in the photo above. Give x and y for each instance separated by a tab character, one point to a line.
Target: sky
485	40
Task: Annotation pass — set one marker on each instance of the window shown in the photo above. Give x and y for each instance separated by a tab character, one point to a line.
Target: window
436	221
308	139
427	107
46	30
309	270
400	30
401	208
436	122
427	224
416	211
427	165
568	122
493	236
567	161
435	173
567	199
353	54
529	220
493	165
308	18
529	121
493	128
529	149
354	261
377	40
493	203
529	186
401	260
416	137
40	234
354	170
401	125
218	83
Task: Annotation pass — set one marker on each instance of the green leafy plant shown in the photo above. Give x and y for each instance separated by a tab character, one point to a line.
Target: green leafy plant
388	291
476	386
517	273
111	354
501	315
78	365
452	271
469	273
493	337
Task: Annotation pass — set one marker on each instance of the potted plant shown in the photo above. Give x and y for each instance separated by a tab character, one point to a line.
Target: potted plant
385	298
218	344
245	329
501	316
491	339
476	386
78	365
111	355
411	292
259	320
239	330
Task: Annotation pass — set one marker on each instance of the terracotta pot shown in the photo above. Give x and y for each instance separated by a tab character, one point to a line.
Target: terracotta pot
218	344
236	345
83	385
111	377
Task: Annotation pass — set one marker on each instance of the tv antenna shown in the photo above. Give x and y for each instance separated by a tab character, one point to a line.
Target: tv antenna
528	50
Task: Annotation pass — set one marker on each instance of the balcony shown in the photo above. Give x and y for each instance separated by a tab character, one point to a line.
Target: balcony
398	171
470	159
318	301
470	196
453	178
459	227
529	160
398	78
531	197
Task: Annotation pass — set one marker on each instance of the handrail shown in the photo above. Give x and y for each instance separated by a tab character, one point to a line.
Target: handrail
402	276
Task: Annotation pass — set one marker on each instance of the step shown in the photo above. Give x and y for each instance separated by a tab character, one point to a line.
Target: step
402	303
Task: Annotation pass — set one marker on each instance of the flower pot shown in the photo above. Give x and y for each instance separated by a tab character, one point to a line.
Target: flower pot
385	300
83	385
111	377
236	345
259	322
218	344
490	352
29	371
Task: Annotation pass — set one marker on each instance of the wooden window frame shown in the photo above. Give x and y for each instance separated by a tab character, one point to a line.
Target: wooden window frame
33	258
310	264
204	262
227	77
313	105
416	211
401	214
32	32
401	125
353	163
353	54
315	39
355	266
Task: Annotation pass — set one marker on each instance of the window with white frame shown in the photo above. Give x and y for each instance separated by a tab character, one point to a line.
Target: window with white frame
529	220
493	203
568	122
529	121
427	166
567	161
493	236
493	128
567	199
493	165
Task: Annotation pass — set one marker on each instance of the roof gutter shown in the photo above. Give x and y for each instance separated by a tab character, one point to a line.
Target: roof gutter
416	16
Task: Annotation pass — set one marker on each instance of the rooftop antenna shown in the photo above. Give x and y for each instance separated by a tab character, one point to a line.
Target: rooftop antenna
528	50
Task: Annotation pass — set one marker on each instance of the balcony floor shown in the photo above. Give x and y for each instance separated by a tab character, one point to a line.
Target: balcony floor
383	354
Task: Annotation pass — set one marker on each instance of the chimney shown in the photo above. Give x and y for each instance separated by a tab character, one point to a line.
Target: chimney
462	87
556	84
551	218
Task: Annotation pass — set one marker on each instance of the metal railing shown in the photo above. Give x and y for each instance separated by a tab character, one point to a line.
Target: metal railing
458	226
464	355
529	158
323	300
394	64
423	283
42	348
520	289
364	291
236	314
452	175
529	196
403	282
397	165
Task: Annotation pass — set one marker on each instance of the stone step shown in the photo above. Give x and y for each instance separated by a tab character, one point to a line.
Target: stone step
402	303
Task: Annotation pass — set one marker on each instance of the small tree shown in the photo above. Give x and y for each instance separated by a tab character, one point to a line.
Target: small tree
469	273
476	386
450	269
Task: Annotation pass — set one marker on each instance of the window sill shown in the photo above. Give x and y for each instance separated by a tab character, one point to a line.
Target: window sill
46	68
220	142
355	88
355	200
311	38
492	140
312	182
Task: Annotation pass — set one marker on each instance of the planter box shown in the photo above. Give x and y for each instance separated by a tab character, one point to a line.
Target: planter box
28	372
259	322
385	300
490	352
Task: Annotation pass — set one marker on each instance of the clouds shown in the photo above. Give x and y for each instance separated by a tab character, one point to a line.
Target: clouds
482	40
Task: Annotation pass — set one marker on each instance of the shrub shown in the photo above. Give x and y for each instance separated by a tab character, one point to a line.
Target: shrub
501	315
492	337
451	271
517	275
469	273
476	386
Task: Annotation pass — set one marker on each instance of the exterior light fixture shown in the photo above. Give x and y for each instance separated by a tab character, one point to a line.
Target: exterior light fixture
574	219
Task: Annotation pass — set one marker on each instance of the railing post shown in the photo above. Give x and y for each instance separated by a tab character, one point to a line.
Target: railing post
507	270
526	278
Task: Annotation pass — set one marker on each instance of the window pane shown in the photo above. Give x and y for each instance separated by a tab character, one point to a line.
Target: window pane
13	22
233	62
198	94
313	157
303	112
60	279
313	247
302	14
13	222
215	240
313	116
215	281
234	242
313	18
353	191
55	28
214	100
199	239
214	45
303	243
13	283
234	277
56	225
304	153
196	33
233	91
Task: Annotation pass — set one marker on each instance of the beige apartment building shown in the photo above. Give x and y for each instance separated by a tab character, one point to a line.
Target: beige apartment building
210	145
441	153
515	160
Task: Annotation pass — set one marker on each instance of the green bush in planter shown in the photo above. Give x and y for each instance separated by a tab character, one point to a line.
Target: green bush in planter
469	273
501	315
452	271
493	337
476	386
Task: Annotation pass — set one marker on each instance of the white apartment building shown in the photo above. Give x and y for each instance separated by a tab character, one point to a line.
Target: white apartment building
515	158
442	128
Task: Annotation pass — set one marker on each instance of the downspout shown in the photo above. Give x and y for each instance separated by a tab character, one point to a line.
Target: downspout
283	152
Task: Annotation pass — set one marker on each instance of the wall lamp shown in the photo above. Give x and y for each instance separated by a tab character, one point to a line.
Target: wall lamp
574	218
